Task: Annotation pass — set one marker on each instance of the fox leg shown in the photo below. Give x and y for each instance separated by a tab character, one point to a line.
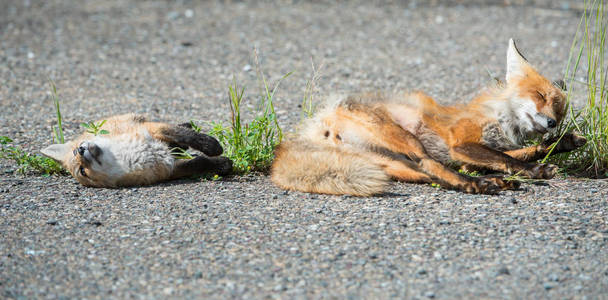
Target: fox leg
385	134
184	137
482	156
402	170
201	164
567	143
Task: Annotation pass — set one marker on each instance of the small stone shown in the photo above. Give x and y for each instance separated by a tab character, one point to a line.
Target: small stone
95	223
52	222
430	294
247	68
503	271
189	13
548	286
198	275
553	277
172	15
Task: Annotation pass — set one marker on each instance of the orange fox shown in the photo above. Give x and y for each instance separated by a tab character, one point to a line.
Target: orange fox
357	143
136	152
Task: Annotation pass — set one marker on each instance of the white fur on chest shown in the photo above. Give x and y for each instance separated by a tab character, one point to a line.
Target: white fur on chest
133	154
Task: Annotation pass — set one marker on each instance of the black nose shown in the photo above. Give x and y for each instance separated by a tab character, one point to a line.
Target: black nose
81	150
551	123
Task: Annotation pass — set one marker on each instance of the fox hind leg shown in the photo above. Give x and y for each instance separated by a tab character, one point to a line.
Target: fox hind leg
185	137
202	164
391	137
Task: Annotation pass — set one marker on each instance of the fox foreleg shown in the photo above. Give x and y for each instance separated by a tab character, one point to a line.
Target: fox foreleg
567	143
482	156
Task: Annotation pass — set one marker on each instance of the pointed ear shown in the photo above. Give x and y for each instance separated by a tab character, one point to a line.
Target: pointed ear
56	151
560	84
515	62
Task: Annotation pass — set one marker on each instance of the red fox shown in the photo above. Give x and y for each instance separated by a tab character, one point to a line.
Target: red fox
357	143
136	152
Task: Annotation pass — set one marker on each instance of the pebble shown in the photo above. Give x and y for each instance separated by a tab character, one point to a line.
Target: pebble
503	271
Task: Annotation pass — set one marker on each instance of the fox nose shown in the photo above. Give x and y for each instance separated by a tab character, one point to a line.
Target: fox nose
81	150
551	123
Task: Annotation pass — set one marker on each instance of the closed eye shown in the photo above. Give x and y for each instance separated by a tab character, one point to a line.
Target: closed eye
82	172
541	96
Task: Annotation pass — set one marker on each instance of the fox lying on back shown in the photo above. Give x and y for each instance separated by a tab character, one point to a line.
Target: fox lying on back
136	152
358	142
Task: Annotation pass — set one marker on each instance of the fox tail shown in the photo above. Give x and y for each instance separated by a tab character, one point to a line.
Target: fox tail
302	166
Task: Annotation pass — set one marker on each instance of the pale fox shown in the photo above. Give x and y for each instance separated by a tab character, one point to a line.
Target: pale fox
357	143
137	152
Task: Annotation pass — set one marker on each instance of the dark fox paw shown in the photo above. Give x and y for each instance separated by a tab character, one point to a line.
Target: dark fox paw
541	171
569	142
224	166
482	185
185	125
503	183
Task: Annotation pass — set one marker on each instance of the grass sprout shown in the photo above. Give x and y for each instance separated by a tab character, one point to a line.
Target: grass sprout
27	162
587	60
250	145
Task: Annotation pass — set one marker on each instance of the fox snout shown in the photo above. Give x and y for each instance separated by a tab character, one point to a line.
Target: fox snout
551	123
541	122
88	151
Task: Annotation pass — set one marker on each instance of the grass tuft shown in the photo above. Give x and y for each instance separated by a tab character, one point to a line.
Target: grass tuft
250	146
57	130
27	162
95	128
588	61
308	105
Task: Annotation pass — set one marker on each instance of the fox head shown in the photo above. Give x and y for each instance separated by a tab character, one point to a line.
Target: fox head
87	161
100	161
536	105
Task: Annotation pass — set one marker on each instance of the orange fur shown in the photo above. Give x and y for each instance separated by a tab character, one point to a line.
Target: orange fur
136	152
410	137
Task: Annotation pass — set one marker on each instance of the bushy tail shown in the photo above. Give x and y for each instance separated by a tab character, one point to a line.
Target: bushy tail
318	169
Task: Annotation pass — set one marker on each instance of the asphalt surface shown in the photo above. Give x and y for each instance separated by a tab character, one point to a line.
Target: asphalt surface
242	237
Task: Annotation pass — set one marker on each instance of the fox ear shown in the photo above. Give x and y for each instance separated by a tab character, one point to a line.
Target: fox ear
560	84
515	62
56	151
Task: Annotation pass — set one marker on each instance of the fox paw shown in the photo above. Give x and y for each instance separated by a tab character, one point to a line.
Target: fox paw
224	165
502	183
542	171
569	142
482	185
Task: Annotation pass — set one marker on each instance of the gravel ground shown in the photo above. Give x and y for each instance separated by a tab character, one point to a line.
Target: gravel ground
242	237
